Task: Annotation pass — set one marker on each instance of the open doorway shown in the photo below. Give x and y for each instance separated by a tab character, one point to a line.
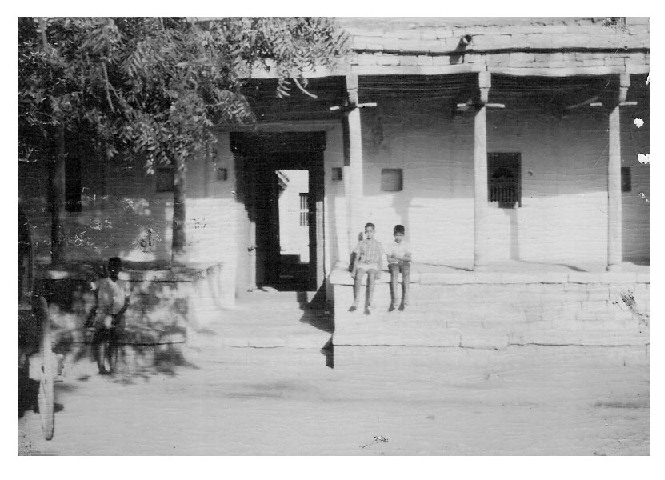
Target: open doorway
294	229
280	182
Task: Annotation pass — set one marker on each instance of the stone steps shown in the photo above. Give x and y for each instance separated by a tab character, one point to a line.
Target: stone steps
503	293
498	315
446	328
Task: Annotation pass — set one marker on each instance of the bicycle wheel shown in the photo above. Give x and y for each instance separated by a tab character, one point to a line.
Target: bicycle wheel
46	395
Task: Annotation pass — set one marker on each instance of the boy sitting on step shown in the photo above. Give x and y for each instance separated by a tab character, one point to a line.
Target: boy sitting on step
399	261
368	259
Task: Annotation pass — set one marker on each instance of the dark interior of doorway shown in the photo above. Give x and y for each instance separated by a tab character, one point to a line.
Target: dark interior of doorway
264	155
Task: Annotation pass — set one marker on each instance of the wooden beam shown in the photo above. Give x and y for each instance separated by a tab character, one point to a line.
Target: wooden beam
638	69
558	72
544	71
417	69
316	72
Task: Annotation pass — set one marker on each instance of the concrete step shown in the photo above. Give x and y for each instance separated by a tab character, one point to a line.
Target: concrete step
501	312
275	299
374	331
484	325
501	293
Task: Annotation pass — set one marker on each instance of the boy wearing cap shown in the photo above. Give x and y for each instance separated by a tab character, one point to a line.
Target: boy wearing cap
399	261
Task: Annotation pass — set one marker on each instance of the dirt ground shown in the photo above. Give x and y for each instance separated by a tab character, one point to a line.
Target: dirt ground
226	400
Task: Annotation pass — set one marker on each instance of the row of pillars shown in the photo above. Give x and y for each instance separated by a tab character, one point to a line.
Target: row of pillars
353	172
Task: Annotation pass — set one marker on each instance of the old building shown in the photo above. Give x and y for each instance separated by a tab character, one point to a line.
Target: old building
511	149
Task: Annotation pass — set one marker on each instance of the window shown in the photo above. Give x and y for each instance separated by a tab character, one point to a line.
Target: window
504	179
304	210
391	179
222	174
164	179
625	179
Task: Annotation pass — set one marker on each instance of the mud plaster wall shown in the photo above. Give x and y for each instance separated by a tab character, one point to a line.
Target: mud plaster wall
130	219
563	218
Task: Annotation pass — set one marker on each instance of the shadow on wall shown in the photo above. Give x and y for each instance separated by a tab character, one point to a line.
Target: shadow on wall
136	229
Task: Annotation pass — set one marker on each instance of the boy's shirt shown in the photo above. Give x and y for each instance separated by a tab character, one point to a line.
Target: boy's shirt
399	250
111	295
369	251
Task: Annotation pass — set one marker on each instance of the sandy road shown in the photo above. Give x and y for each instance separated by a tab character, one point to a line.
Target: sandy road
376	401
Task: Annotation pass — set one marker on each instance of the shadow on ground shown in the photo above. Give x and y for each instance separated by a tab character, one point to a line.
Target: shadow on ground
316	311
140	356
28	390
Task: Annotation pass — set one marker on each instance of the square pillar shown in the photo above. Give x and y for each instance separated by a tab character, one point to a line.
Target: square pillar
614	200
353	163
481	240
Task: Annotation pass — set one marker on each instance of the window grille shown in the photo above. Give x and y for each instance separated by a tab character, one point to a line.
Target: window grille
504	179
304	210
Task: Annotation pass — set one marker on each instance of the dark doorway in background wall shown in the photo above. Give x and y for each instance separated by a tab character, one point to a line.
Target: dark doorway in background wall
280	182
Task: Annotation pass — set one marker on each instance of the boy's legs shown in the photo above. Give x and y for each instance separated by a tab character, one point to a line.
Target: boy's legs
394	271
357	287
406	280
371	280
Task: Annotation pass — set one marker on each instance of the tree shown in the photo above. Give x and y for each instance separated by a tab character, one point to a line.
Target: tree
152	86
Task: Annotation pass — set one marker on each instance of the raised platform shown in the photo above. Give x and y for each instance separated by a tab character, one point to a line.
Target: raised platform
179	296
510	304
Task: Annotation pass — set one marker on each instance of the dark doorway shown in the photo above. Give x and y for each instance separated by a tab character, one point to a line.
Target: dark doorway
270	164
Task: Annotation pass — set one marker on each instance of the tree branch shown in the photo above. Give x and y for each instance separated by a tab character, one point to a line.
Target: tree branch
107	84
302	89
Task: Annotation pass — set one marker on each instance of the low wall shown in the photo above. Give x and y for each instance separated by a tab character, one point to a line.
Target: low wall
159	299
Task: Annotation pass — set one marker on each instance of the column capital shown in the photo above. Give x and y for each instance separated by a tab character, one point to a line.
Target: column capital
484	84
352	81
352	88
624	85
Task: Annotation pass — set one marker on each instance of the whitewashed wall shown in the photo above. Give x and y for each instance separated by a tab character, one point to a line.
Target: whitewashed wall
563	218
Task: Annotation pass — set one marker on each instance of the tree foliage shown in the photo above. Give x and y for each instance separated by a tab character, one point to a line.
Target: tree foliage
151	87
155	86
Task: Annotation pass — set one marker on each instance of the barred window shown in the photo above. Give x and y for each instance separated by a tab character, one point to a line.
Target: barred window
304	210
504	179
